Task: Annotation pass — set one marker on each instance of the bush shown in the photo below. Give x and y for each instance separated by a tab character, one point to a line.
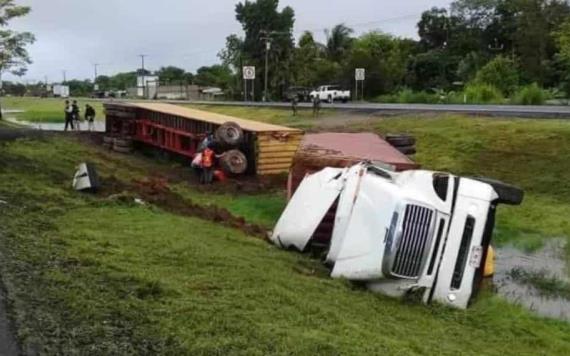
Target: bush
479	93
501	72
530	95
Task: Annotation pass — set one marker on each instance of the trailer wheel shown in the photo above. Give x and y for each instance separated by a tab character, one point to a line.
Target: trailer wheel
234	162
122	149
508	194
229	134
407	150
399	140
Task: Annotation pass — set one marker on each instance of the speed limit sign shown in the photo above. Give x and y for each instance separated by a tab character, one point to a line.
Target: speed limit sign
249	73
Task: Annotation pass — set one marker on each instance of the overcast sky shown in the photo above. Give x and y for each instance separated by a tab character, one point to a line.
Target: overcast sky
74	34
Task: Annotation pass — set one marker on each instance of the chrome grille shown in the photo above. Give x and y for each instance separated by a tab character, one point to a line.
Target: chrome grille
414	243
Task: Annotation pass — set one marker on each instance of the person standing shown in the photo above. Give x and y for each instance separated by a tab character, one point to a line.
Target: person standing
75	115
316	106
294	104
90	117
68	116
207	166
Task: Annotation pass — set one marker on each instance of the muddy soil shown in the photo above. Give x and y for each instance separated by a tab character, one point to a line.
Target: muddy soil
156	191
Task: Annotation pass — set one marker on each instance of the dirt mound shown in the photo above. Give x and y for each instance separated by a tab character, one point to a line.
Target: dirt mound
155	191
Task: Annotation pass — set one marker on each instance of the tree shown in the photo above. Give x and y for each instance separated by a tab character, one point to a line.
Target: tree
261	20
339	42
307	59
217	75
171	74
433	28
14	57
501	73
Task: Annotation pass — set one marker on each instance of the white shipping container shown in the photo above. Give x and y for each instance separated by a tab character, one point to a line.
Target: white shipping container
61	91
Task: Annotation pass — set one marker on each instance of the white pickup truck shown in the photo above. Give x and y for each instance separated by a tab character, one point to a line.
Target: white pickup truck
416	231
331	93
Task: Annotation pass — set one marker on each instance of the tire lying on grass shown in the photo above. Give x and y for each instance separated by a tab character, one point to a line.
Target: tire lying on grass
229	134
407	150
399	140
234	162
508	194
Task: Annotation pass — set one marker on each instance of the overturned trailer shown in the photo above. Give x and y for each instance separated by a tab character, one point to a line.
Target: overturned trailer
267	149
399	232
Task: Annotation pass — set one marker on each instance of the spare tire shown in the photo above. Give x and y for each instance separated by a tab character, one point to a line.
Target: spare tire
399	140
508	194
407	150
229	134
234	162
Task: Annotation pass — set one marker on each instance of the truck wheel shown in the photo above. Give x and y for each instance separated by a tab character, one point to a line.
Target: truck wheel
399	140
508	194
407	150
344	101
234	162
229	134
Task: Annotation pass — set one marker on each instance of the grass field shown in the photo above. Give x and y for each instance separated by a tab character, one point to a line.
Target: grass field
95	275
44	110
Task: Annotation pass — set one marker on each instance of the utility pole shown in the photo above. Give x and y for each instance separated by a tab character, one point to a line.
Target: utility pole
267	40
143	73
95	65
64	72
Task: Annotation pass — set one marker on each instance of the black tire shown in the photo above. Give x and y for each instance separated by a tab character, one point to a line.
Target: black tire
407	150
399	140
122	149
229	134
234	162
345	100
508	194
121	142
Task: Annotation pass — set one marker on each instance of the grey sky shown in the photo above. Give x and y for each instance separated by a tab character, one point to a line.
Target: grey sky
74	34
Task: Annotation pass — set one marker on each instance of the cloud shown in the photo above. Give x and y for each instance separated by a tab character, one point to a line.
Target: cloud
75	34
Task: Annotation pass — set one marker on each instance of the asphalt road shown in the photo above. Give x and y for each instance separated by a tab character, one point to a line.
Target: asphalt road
542	111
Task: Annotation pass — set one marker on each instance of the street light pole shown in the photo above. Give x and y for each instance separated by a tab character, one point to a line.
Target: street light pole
143	74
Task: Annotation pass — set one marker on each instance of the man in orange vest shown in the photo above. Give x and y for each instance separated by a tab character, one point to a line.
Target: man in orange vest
208	157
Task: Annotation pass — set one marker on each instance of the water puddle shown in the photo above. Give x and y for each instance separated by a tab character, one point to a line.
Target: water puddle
99	126
538	280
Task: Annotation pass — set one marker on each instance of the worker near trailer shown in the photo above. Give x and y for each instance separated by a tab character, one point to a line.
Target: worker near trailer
208	156
90	117
208	141
68	115
294	104
75	114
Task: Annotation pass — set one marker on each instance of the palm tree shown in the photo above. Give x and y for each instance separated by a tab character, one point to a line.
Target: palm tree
339	41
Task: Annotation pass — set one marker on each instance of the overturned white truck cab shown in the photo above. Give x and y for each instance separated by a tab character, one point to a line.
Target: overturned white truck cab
415	231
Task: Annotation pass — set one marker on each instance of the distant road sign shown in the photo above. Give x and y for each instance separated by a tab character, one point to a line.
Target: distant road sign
248	73
360	73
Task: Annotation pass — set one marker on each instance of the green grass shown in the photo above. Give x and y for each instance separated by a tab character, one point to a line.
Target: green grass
44	109
87	275
303	120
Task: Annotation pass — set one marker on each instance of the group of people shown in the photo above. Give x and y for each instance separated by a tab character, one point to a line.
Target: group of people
73	116
316	101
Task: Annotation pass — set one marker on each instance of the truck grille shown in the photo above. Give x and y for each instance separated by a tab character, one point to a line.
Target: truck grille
414	243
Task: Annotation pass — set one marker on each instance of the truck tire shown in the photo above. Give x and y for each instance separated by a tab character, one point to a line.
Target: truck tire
407	150
234	162
121	149
508	194
121	142
399	140
229	134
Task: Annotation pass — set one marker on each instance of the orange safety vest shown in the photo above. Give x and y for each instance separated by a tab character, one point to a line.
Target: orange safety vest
207	158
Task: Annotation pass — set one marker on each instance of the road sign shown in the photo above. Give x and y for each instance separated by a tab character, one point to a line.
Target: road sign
360	73
249	73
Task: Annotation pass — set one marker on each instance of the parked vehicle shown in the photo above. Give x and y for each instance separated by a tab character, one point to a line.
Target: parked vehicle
399	232
331	93
302	94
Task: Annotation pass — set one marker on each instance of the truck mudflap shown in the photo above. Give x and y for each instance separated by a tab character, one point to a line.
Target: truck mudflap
307	208
465	248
